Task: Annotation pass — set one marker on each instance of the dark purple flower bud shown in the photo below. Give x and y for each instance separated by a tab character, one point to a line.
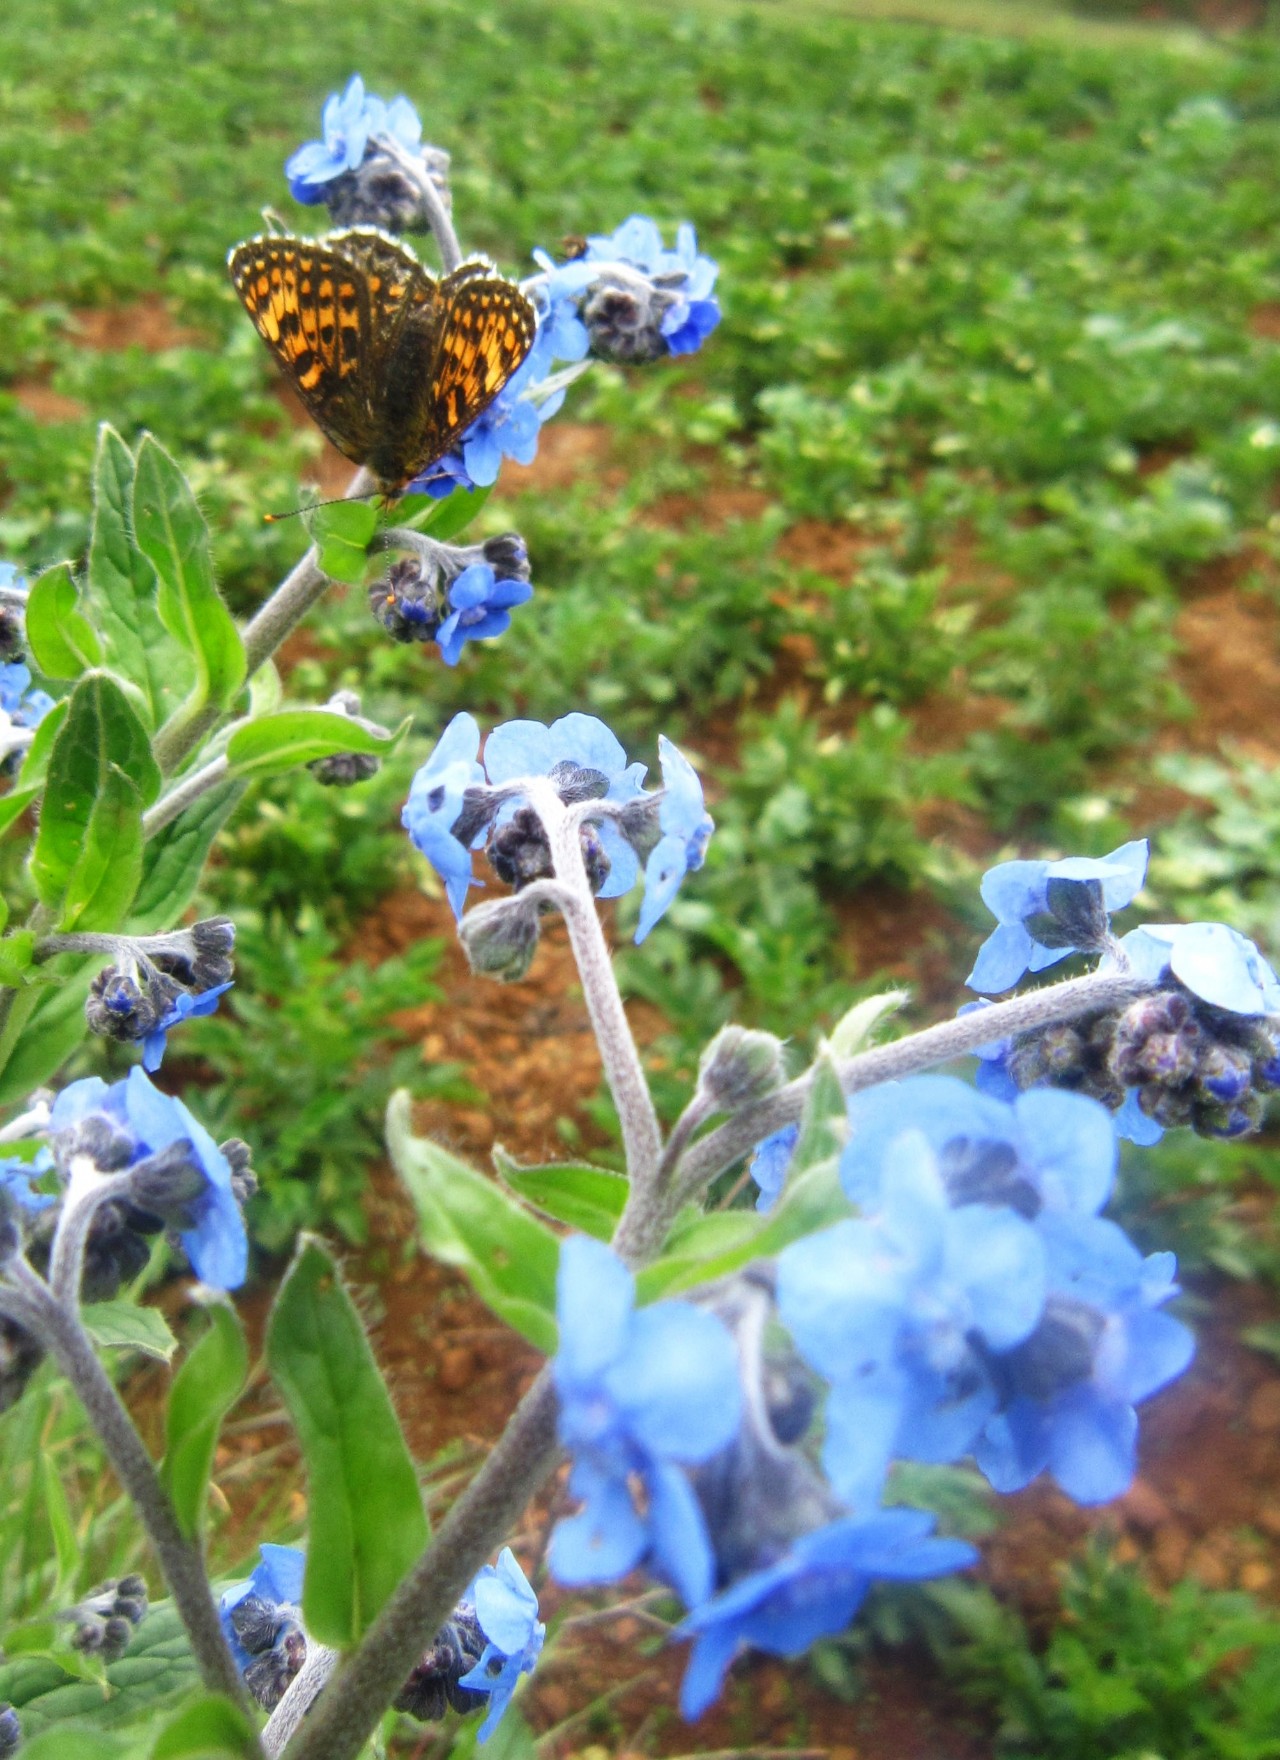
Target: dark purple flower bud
407	601
624	322
344	769
433	1684
1224	1073
128	1002
519	852
10	1732
244	1181
500	938
508	556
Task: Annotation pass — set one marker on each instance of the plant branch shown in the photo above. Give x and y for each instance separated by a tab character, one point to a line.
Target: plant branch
180	797
88	1191
303	1691
365	1685
918	1052
432	200
180	1558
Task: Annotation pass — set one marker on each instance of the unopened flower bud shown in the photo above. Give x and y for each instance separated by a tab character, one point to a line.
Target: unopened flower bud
214	939
106	1618
10	1732
344	769
624	322
407	601
127	1002
500	938
269	1676
508	556
244	1181
519	852
740	1065
168	1184
380	192
432	1686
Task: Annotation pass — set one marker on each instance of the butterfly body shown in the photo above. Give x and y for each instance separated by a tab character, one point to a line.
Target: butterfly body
392	363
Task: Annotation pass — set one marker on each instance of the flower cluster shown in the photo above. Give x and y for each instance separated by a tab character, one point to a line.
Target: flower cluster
451	594
156	983
106	1618
623	296
457	805
1047	910
476	1658
368	166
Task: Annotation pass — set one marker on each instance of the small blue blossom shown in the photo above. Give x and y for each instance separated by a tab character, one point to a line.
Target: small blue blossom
683	279
812	1592
11	581
435	803
1069	1391
1041	920
891	1312
276	1579
577	742
1045	1149
1215	962
186	1006
23	706
507	1610
509	428
686	829
770	1162
641	1393
16	1181
347	123
480	606
216	1243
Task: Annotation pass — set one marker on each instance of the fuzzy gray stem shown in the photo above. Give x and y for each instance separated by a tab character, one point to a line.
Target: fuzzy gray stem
437	213
180	1559
641	1133
712	1154
303	1691
88	1192
178	799
522	1457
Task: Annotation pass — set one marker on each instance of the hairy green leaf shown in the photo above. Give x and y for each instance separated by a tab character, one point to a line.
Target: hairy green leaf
442	519
292	737
573	1192
43	1029
35	765
510	1259
171	533
365	1504
63	642
173	860
343	531
203	1392
211	1729
157	1668
128	1326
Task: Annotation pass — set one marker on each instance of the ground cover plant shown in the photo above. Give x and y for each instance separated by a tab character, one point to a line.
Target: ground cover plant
901	556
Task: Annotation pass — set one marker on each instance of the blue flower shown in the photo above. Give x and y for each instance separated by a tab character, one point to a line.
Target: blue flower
435	803
1069	1390
23	706
641	1393
812	1592
770	1162
1216	963
897	1312
507	1610
186	1006
479	606
216	1243
509	428
277	1580
10	579
16	1177
1047	1149
1047	910
347	123
683	279
686	828
574	743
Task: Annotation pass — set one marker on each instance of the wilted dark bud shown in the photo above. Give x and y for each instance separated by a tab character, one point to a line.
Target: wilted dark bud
168	1184
116	1250
407	602
1075	916
244	1181
255	1623
269	1676
739	1066
639	824
624	320
519	852
508	556
128	1002
214	940
575	783
20	1357
105	1144
343	769
106	1618
433	1684
10	1732
500	938
381	192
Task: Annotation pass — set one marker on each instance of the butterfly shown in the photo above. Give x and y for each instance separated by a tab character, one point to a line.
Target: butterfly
392	363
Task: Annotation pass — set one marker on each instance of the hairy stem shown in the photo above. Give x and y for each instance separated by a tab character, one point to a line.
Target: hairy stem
88	1191
432	201
641	1134
303	1691
180	797
925	1050
180	1559
364	1686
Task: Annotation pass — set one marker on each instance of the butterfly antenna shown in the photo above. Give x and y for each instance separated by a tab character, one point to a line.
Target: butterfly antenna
310	507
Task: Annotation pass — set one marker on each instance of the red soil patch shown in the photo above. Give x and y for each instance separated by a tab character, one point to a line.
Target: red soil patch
1230	668
146	323
45	405
1264	320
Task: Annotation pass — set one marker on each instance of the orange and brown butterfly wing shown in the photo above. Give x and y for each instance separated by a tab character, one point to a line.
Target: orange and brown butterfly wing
462	354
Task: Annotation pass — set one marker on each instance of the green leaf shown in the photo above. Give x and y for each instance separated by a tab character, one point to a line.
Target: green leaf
128	1326
65	1545
157	1668
855	1027
365	1506
204	1390
50	1641
15	956
299	736
35	766
173	860
343	531
466	1220
442	519
87	859
172	535
211	1729
78	1744
120	591
43	1029
63	642
14	805
573	1192
823	1129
